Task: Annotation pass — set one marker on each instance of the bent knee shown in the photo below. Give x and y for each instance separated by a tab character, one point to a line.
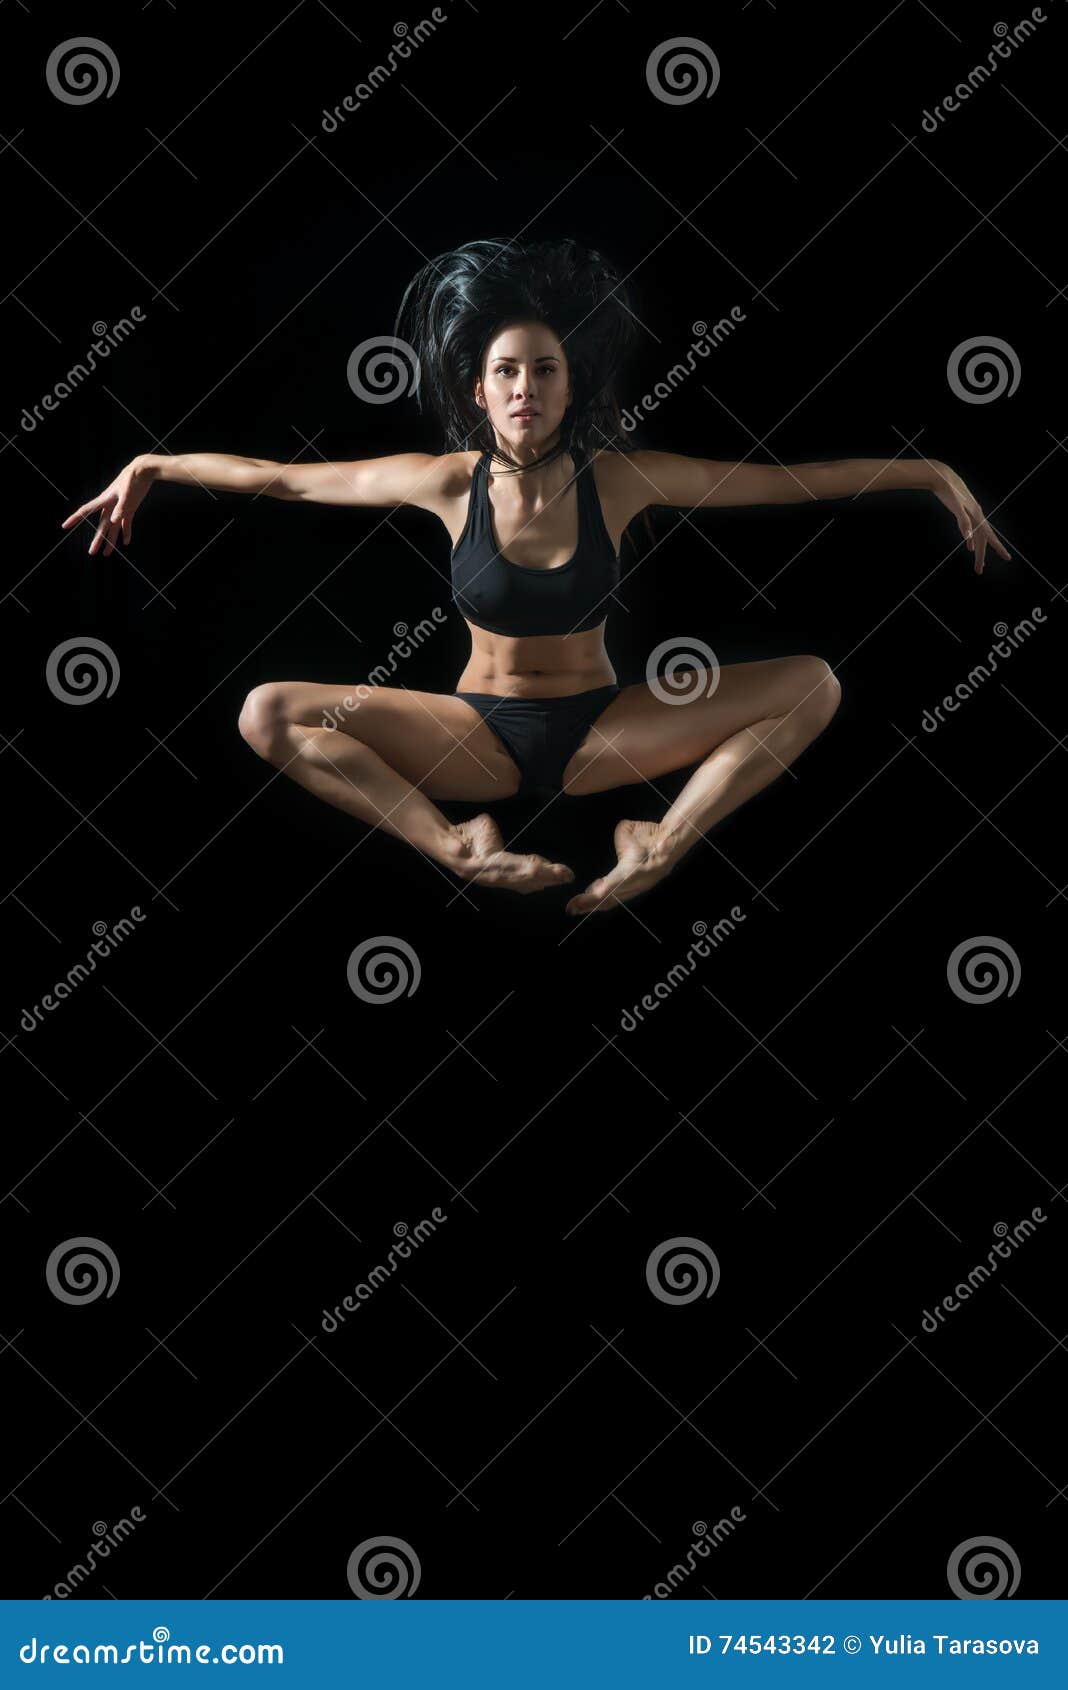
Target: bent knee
263	717
819	689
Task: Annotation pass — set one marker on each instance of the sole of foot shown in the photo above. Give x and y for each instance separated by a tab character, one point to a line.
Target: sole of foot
487	863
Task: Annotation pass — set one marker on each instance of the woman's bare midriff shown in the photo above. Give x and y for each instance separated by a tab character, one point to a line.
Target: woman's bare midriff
537	666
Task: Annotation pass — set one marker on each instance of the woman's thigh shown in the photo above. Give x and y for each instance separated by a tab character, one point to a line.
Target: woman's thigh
640	735
434	740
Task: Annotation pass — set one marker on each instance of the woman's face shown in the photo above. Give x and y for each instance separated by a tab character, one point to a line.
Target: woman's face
525	387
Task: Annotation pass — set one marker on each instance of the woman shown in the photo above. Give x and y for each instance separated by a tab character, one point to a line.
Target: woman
519	348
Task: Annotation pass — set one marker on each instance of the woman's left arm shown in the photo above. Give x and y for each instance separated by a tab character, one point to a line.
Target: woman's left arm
666	478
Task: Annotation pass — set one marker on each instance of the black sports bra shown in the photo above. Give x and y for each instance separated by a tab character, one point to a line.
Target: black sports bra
516	600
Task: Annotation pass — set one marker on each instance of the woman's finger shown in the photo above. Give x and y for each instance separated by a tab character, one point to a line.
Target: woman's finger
83	510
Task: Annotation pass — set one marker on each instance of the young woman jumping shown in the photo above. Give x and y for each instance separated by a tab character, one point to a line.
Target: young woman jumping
519	349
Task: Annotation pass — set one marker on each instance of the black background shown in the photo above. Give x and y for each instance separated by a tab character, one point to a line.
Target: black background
814	1103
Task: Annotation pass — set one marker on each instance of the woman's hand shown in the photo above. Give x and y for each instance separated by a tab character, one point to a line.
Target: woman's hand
116	505
951	491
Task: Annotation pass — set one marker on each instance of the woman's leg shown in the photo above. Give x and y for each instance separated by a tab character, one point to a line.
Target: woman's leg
760	717
387	756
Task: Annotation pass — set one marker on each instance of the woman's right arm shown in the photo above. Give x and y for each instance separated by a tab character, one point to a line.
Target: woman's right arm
416	478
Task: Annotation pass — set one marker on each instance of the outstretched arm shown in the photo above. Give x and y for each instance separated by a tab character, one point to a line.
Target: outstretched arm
417	478
666	478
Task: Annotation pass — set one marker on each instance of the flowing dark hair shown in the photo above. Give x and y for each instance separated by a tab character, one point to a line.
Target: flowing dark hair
458	302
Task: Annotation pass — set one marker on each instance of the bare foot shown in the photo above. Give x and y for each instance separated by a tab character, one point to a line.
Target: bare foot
642	862
485	861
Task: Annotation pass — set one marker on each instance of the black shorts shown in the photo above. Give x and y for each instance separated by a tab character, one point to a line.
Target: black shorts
542	733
